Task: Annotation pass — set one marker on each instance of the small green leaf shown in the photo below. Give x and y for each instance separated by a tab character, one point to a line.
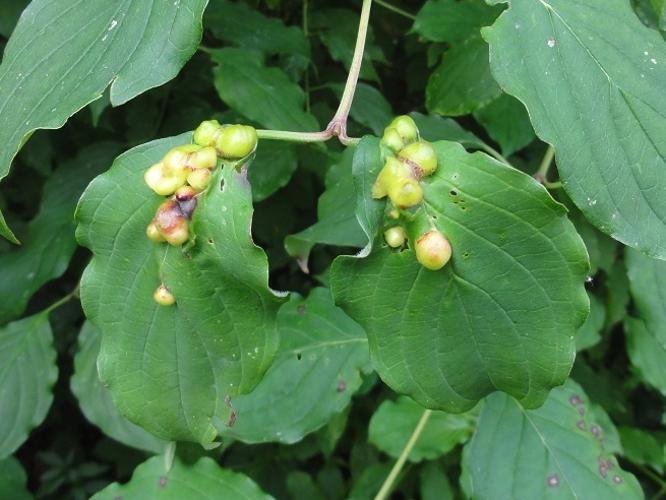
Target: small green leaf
170	369
450	337
436	128
370	108
314	375
13	480
48	242
246	27
27	373
552	452
592	78
453	21
263	94
337	29
274	164
507	122
589	334
336	224
49	70
646	336
203	480
642	448
394	421
647	352
462	83
95	400
435	484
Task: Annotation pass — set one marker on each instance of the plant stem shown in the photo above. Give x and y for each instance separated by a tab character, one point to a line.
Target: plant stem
542	174
284	135
495	154
338	125
63	300
657	480
395	9
390	479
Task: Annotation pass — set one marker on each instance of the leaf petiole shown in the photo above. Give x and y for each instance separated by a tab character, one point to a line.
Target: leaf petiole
399	464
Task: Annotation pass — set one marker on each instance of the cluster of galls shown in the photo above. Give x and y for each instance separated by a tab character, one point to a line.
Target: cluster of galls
408	161
183	174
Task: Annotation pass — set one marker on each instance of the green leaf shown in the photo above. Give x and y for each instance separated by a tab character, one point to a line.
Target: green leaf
274	164
462	83
589	334
336	224
241	25
203	480
394	421
647	352
370	108
264	94
435	128
551	452
646	336
450	337
435	484
642	448
507	122
48	241
337	29
13	480
170	369
95	400
314	376
132	47
453	21
591	76
27	373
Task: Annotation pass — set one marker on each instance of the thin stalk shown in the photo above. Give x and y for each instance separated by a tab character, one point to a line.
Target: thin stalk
495	154
64	300
542	174
399	464
338	125
395	9
657	480
285	135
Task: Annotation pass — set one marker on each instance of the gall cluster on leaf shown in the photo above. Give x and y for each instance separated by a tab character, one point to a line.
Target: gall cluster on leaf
408	162
183	174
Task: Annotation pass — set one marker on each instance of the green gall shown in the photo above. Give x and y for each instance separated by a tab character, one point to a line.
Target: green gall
406	127
236	141
392	139
161	182
393	172
163	296
421	157
406	193
204	158
395	237
154	234
206	133
199	178
433	250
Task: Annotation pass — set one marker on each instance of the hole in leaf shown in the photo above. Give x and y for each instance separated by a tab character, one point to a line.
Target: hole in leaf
454	192
299	356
